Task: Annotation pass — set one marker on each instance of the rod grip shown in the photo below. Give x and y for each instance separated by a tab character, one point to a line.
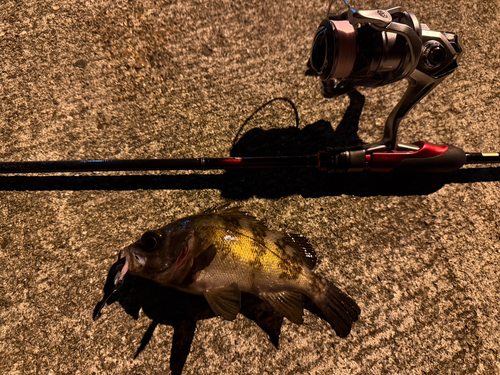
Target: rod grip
428	159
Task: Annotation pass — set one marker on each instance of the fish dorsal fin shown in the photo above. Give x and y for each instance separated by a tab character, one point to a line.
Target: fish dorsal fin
289	304
225	210
235	214
215	209
225	301
302	248
236	219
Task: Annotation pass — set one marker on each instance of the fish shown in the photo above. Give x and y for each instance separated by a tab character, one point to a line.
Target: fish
223	251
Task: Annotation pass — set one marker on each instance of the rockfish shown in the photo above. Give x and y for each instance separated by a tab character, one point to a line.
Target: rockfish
223	252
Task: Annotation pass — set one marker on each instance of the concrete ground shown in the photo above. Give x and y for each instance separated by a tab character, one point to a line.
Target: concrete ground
174	79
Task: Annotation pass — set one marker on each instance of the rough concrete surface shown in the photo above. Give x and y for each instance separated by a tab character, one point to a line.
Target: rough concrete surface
171	79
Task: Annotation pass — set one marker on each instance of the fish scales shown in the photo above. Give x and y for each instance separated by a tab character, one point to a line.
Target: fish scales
258	263
223	252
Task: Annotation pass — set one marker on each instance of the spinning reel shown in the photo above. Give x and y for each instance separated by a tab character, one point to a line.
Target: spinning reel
377	47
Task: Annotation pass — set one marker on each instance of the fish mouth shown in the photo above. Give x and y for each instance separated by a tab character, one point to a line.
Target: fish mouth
118	281
121	272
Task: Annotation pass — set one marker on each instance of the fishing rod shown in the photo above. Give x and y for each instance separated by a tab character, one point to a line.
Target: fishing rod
369	48
423	158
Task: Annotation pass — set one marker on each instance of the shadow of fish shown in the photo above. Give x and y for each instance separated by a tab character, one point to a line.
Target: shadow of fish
223	252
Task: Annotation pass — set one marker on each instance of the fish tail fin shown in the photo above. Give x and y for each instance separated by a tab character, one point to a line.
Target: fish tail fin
339	309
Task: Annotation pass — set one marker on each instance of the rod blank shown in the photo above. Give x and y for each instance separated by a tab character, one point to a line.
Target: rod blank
482	158
158	164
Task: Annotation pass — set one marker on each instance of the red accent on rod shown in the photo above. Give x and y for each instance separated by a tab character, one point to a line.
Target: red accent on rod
319	165
387	161
230	161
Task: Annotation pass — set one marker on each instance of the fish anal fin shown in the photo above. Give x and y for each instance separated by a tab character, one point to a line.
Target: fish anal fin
302	248
289	304
225	301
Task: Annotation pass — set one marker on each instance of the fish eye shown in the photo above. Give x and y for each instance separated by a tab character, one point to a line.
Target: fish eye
150	240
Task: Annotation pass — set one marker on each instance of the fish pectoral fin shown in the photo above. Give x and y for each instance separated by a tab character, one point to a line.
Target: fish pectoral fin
200	262
204	259
289	304
225	301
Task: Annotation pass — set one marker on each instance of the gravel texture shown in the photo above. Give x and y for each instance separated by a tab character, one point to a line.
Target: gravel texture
172	79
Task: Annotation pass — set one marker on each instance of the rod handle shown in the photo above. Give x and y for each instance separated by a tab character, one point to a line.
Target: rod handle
429	158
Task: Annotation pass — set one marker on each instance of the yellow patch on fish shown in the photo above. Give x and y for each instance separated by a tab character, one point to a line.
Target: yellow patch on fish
258	253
